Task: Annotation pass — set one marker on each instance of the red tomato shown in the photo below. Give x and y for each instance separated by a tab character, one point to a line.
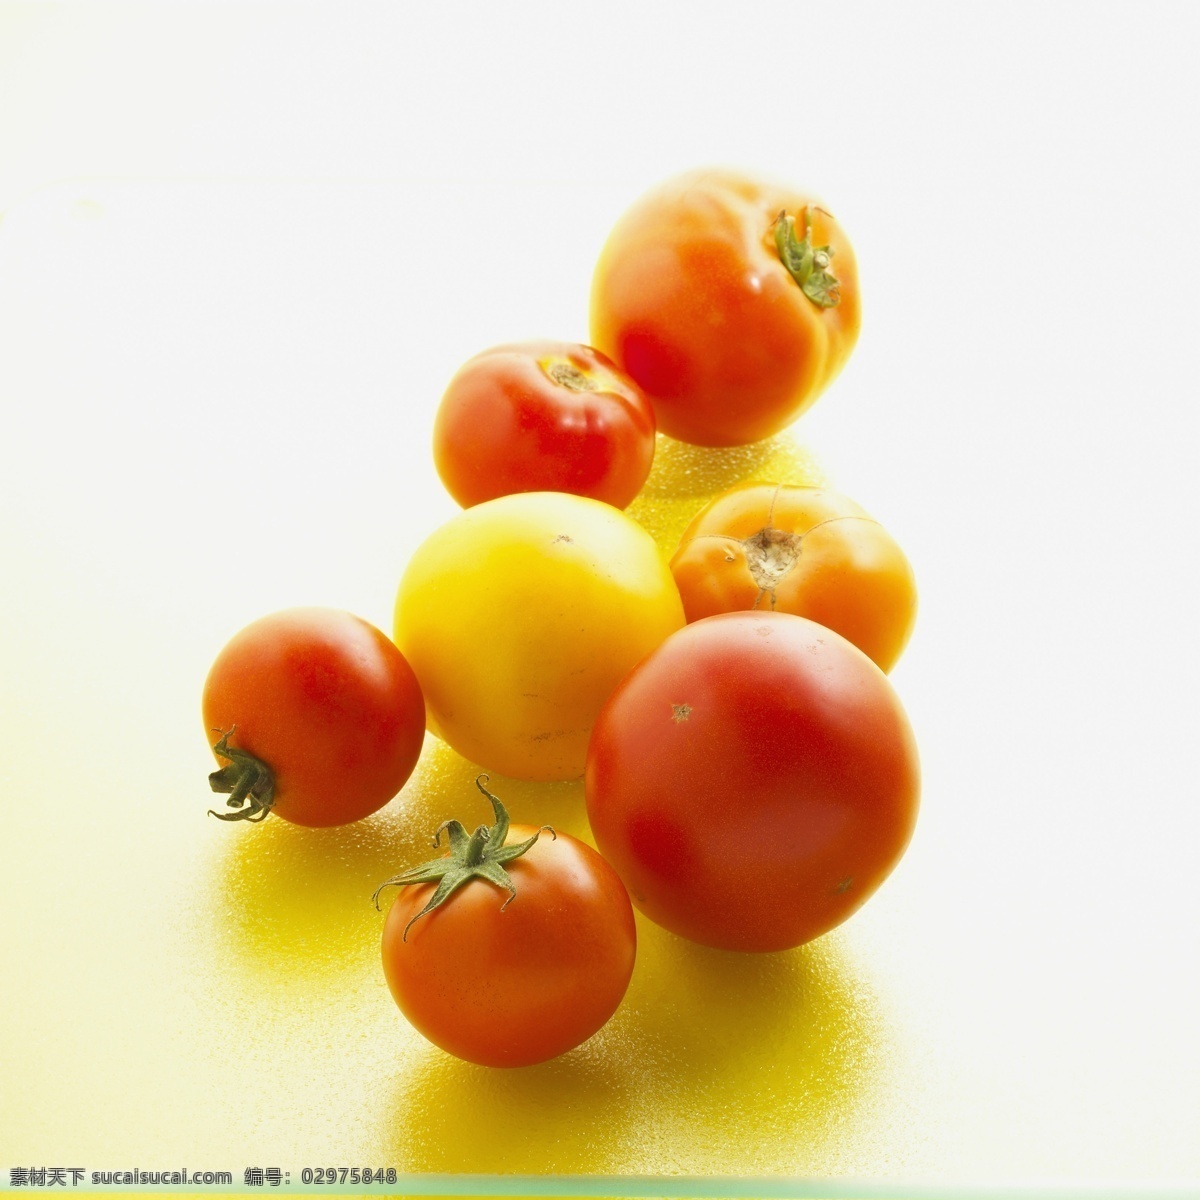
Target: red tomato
543	417
732	302
509	984
802	550
325	705
753	781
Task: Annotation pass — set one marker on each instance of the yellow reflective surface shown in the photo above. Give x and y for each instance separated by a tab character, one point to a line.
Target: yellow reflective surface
1017	1003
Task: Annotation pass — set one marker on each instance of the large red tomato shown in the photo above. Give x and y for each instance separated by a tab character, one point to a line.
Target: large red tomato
733	303
753	781
511	949
543	417
321	718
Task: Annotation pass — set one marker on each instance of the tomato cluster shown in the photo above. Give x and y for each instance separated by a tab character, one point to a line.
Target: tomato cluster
749	773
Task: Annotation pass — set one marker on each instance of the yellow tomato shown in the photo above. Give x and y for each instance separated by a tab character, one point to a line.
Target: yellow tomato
520	616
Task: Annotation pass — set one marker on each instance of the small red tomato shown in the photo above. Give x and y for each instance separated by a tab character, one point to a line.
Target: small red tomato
321	718
802	550
753	781
543	417
511	949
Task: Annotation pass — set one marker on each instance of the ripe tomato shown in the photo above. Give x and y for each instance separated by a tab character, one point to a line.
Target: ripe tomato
753	781
507	982
520	616
802	550
321	717
543	417
732	302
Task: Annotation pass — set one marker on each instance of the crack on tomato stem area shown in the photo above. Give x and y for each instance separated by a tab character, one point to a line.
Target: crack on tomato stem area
770	554
680	712
568	376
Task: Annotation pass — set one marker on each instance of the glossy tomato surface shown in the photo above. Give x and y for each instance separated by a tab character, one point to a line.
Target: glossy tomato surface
516	985
328	703
693	298
520	616
543	417
753	781
802	550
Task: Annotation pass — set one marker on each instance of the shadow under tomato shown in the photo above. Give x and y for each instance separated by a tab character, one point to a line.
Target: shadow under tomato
447	789
288	903
715	1063
685	478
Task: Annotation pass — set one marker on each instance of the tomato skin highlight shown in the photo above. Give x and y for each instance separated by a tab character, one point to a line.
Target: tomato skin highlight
328	703
520	615
540	417
691	298
753	781
825	558
510	987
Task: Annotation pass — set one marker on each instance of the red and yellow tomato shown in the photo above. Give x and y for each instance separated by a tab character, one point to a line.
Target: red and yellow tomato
732	302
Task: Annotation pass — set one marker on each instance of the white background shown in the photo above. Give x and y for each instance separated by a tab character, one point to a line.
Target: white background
1020	185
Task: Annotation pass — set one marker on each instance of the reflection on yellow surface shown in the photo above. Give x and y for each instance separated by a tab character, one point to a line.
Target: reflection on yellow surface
685	478
303	895
714	1060
264	1032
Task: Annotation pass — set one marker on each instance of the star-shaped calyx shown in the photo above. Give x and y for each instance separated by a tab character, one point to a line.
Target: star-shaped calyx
808	265
481	854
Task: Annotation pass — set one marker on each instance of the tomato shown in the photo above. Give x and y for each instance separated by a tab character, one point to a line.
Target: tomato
753	781
509	980
321	718
733	303
802	550
543	417
520	616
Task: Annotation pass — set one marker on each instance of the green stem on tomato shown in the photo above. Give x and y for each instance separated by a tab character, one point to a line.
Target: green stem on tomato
480	854
248	781
807	266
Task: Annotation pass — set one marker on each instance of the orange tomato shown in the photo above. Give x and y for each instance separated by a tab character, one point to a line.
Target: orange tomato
801	550
733	303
